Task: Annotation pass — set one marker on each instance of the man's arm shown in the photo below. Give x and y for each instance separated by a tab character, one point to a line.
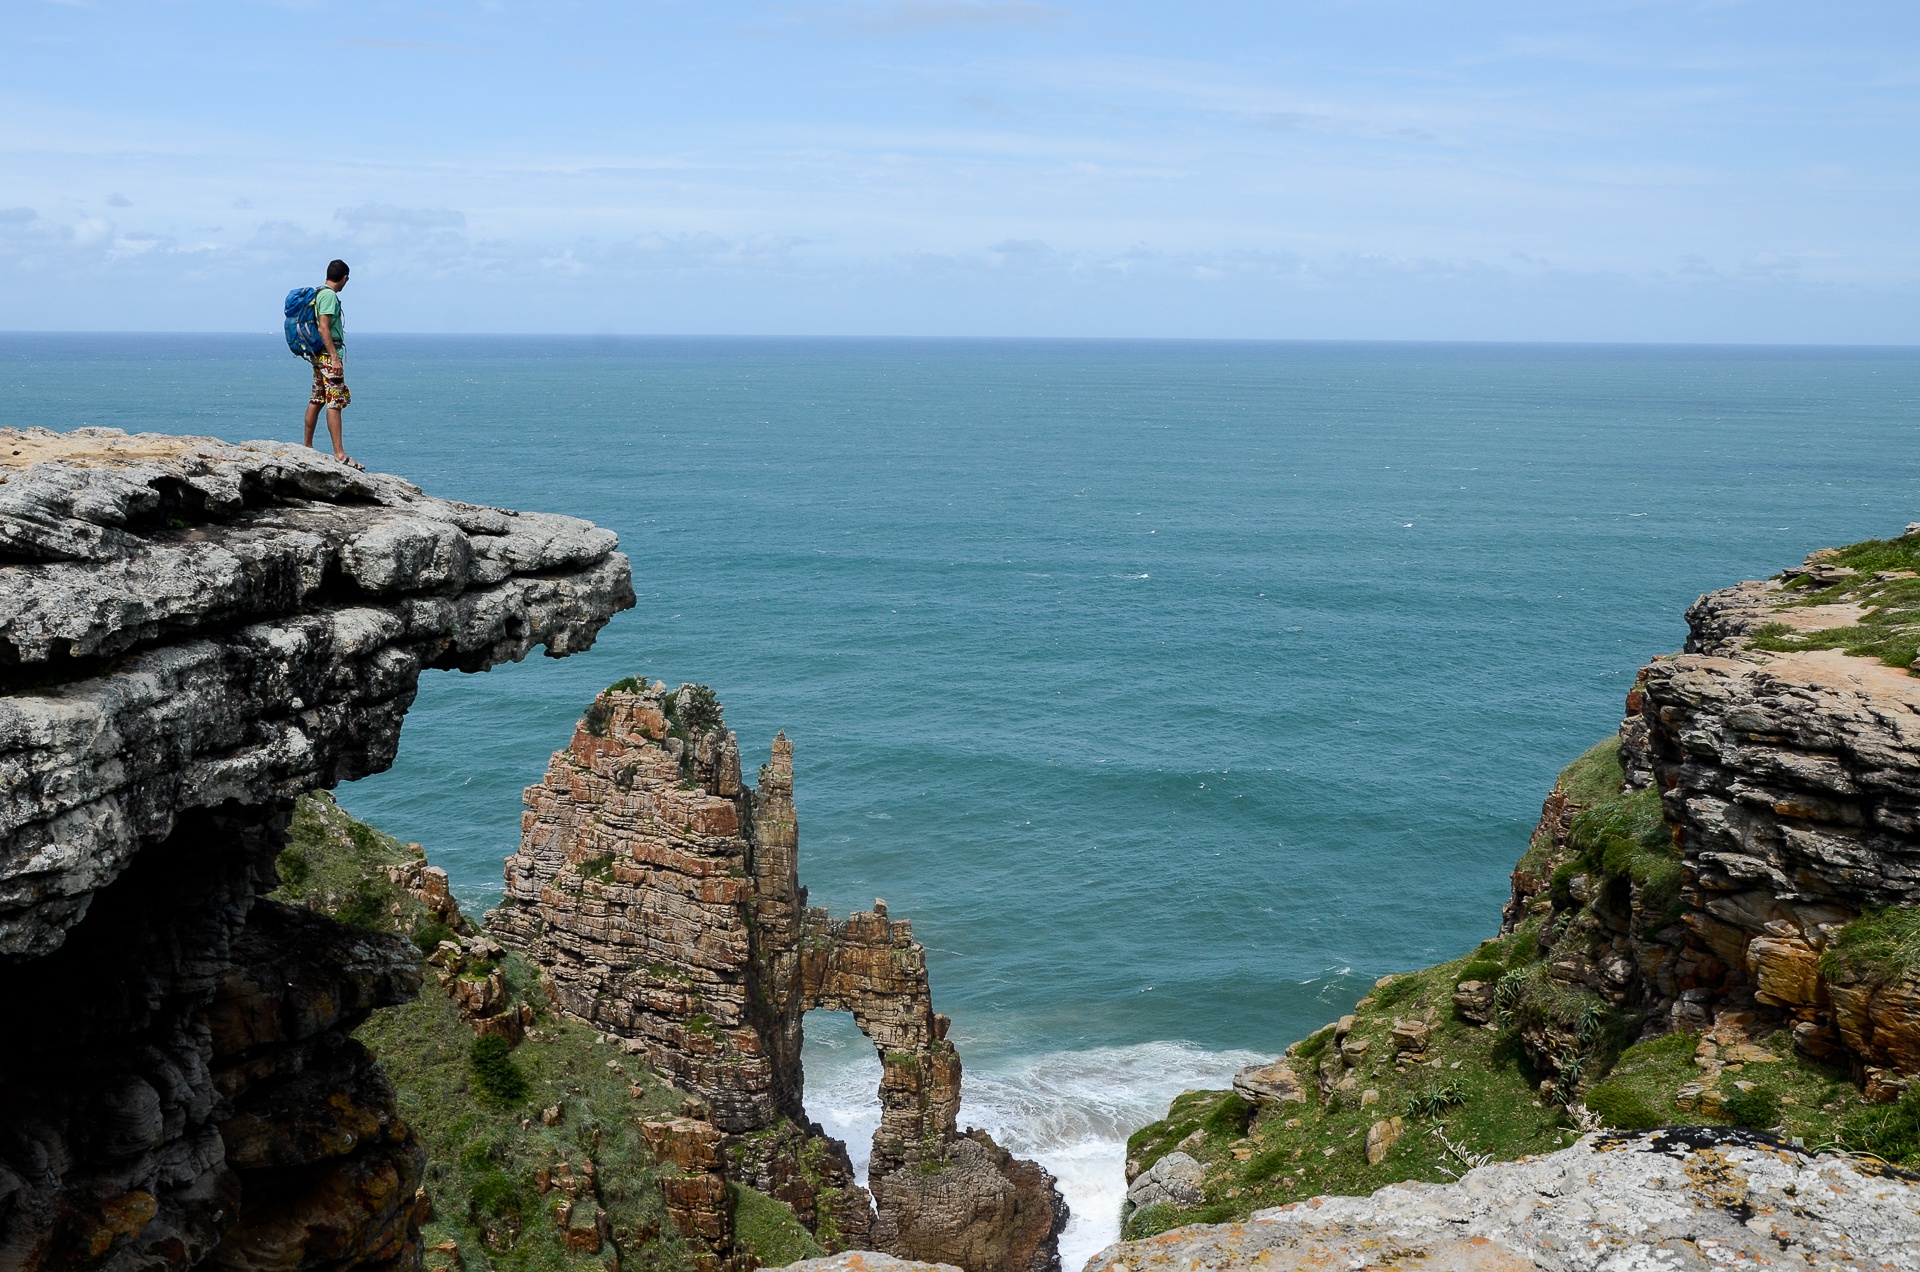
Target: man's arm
326	335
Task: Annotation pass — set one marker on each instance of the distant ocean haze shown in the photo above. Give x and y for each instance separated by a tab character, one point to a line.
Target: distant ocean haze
1175	691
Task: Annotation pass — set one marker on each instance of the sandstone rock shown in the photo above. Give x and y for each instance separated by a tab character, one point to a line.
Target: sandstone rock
980	1207
191	634
1274	1082
1176	1180
1789	780
1693	1198
1473	1000
660	895
1410	1035
1353	1051
1382	1136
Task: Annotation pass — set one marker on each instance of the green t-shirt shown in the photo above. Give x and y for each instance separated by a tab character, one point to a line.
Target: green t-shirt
327	301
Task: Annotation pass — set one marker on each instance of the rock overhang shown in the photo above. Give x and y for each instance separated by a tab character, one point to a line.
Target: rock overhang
186	623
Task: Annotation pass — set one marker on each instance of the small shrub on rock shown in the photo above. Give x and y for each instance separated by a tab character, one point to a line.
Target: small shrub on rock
429	936
494	1072
1622	1108
294	869
1880	946
699	709
367	907
1230	1116
1756	1109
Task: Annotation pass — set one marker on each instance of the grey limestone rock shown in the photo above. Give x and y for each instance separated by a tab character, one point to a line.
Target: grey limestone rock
1176	1179
866	1261
192	633
1692	1198
185	622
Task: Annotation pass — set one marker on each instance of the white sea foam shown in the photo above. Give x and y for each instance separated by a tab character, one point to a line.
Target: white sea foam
1070	1110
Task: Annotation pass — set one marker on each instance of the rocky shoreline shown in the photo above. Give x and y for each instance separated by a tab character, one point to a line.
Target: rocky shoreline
265	1036
1713	925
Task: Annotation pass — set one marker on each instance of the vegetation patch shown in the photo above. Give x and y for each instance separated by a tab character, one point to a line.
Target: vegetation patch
1624	839
476	1104
770	1230
599	868
338	866
1893	637
1880	947
1596	776
1889	630
1638	1094
1888	1131
495	1074
693	709
1471	1092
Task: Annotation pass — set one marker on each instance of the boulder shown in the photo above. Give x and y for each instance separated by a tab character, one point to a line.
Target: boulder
1176	1179
1473	1000
1382	1136
1274	1082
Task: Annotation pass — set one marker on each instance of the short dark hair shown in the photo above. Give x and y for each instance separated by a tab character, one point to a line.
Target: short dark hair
336	270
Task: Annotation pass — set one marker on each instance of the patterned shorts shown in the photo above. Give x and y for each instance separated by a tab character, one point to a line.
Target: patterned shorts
329	382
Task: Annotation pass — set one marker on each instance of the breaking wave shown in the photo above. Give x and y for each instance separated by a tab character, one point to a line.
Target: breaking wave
1071	1111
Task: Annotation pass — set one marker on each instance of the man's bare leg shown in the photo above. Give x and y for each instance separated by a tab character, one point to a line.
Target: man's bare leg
313	417
333	430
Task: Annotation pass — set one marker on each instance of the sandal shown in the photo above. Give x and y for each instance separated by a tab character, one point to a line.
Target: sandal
351	462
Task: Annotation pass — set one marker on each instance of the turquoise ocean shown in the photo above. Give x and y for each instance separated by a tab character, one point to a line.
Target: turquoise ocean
1174	690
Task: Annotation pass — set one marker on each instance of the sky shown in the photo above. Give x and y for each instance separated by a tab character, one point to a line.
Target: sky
1363	169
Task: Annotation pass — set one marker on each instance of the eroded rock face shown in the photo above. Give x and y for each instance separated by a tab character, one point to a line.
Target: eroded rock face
1793	782
1790	781
1693	1198
191	634
661	895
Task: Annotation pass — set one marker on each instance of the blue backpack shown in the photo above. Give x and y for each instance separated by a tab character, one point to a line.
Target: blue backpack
303	329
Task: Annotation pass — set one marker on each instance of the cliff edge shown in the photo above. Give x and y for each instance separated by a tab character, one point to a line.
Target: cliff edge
192	634
1715	925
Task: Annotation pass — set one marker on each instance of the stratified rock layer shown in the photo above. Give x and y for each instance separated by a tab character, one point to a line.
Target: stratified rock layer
1790	780
1682	1199
191	634
661	895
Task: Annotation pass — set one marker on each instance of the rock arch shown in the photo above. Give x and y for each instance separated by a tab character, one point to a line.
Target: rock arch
662	898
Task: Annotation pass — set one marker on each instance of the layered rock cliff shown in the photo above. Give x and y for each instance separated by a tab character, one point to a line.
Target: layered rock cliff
1715	924
1783	748
192	633
661	896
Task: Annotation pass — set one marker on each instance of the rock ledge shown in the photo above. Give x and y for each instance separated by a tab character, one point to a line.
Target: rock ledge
1672	1199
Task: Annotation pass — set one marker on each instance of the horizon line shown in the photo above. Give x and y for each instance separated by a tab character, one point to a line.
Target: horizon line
904	339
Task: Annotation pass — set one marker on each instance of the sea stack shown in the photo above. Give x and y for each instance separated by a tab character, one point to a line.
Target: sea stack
661	895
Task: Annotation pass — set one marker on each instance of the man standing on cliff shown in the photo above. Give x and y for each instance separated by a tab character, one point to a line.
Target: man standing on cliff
330	365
